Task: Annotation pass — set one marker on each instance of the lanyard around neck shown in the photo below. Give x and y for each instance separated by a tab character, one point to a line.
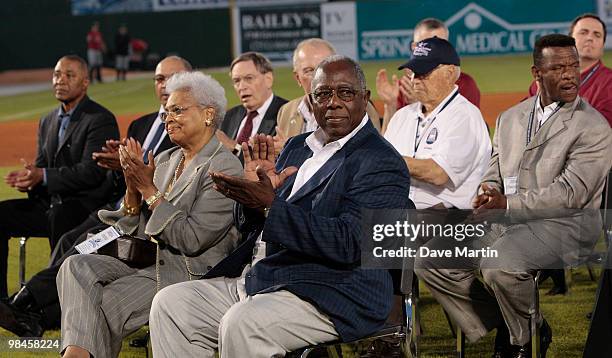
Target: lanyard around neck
417	140
589	75
532	115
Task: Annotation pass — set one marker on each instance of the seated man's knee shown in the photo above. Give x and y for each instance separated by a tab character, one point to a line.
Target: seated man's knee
494	277
238	317
73	264
162	301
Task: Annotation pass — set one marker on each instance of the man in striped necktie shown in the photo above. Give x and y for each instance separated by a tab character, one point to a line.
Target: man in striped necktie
36	307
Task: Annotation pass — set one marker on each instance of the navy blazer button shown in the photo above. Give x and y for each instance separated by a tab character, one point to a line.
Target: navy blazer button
161	262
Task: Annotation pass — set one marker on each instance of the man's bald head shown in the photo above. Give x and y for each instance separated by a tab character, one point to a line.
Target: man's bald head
164	70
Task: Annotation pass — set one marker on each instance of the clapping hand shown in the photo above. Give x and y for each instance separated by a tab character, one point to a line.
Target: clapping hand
138	175
387	91
489	199
25	179
108	158
256	189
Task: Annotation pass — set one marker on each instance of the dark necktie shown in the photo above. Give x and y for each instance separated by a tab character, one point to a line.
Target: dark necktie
153	143
64	120
245	133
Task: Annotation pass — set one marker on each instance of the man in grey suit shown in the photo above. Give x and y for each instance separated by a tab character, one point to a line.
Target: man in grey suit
252	76
550	153
296	116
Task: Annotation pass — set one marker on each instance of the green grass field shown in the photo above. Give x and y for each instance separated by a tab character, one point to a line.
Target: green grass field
493	75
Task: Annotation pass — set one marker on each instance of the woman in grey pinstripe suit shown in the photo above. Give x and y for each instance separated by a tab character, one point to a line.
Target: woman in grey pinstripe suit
103	299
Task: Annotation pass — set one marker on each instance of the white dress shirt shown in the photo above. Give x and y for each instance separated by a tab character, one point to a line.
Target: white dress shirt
156	123
542	114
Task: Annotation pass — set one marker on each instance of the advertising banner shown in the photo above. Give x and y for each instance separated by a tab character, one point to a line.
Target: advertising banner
90	7
476	28
275	31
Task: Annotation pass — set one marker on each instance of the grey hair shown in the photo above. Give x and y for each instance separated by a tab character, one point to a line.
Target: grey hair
205	89
341	58
457	72
314	42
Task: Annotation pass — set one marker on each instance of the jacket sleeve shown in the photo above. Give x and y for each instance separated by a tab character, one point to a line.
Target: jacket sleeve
585	169
492	176
382	183
41	158
84	174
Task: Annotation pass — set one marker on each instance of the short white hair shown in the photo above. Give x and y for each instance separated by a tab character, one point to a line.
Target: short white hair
205	89
313	42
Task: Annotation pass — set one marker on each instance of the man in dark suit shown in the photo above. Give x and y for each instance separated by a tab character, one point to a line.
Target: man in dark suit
36	306
252	78
305	284
64	183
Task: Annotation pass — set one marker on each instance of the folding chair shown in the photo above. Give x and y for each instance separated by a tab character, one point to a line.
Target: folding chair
534	311
405	333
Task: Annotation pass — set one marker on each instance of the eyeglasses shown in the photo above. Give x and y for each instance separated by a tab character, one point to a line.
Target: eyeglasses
174	112
346	94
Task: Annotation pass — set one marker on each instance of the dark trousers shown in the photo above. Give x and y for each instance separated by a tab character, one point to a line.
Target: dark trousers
42	285
32	217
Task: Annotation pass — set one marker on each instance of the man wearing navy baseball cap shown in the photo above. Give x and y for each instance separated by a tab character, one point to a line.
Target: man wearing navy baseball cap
429	54
442	136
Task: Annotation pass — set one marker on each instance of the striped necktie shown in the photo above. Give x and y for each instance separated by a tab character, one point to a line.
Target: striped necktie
153	143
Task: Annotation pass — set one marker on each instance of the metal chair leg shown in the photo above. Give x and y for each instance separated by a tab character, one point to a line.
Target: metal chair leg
22	260
412	324
534	312
460	342
306	352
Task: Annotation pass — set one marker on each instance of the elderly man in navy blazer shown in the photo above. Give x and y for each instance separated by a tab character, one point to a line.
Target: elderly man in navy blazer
304	283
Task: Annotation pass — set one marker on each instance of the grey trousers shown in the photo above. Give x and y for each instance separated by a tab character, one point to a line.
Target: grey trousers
506	290
192	319
103	300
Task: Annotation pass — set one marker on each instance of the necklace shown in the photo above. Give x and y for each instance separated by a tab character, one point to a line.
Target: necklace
176	174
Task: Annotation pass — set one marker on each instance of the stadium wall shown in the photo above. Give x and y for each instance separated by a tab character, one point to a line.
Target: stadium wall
35	33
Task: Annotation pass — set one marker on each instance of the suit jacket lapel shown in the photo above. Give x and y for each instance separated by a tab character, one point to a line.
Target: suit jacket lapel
71	126
241	114
322	175
191	171
269	120
301	155
74	121
554	124
143	132
327	170
52	134
296	121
